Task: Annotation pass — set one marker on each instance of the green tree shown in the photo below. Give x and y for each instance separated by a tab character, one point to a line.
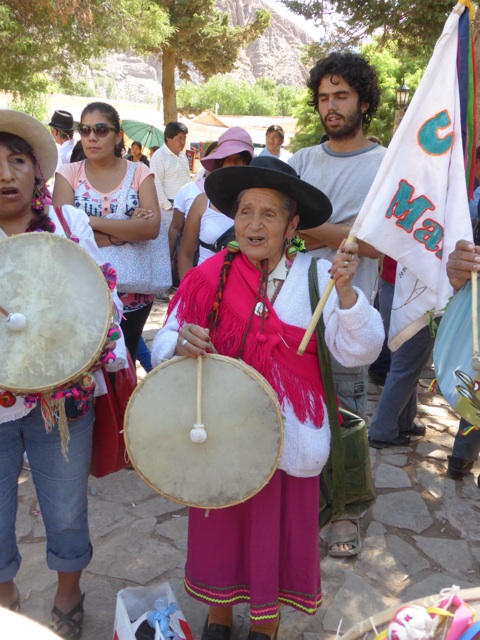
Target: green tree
412	23
203	39
237	97
43	38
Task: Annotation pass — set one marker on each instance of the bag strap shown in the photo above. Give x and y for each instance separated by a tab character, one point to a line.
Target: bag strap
221	242
120	213
63	222
336	448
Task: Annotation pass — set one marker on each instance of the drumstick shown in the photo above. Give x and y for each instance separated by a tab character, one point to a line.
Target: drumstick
476	355
5	313
199	389
318	311
198	433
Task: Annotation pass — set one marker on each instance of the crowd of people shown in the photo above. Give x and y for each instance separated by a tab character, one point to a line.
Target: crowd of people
241	289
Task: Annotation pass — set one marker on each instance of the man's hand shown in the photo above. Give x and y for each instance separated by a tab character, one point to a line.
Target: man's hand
461	262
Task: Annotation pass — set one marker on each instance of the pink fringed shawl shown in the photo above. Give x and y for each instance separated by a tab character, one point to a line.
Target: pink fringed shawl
273	352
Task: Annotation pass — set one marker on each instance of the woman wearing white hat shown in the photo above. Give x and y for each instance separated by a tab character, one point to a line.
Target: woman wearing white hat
28	157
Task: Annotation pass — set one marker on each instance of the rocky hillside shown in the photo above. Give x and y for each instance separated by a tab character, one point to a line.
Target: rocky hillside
276	54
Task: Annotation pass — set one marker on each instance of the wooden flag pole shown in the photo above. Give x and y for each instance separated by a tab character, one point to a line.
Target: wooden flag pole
318	311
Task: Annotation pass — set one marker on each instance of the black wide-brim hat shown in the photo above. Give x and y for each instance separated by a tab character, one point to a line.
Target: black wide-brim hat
223	187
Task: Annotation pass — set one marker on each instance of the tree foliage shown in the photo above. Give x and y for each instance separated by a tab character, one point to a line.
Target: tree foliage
40	39
237	97
202	39
408	23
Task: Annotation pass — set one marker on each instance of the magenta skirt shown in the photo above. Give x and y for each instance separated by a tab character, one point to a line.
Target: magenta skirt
263	551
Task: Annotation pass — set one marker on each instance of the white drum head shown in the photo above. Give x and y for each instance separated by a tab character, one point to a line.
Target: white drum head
242	418
64	296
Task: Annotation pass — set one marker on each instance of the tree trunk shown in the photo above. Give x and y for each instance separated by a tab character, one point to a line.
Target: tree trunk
169	92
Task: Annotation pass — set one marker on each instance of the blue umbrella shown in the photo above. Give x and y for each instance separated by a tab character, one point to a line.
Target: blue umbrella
148	135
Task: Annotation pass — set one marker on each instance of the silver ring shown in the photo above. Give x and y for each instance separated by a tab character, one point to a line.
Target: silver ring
345	264
184	342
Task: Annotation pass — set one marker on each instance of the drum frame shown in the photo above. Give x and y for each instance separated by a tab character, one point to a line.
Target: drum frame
77	375
255	375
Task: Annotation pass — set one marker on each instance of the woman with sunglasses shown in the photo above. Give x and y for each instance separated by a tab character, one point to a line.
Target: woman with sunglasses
98	185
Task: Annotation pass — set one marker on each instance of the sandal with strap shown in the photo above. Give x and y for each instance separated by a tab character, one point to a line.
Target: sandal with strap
67	627
352	539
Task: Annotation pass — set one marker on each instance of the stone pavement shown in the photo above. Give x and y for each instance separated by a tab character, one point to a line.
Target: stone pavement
421	535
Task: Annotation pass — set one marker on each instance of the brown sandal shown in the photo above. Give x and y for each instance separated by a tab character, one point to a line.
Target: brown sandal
66	626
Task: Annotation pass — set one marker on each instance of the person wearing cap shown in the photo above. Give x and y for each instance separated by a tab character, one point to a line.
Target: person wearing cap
61	127
274	139
206	225
28	157
251	301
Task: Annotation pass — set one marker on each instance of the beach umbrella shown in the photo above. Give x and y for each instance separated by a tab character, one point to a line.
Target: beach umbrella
148	135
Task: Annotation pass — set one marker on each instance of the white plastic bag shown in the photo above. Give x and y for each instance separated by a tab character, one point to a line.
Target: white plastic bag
134	605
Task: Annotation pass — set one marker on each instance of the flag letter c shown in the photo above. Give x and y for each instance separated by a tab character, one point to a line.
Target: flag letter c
428	137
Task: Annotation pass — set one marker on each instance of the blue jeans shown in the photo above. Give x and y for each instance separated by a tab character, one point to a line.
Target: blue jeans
144	356
385	301
61	488
397	406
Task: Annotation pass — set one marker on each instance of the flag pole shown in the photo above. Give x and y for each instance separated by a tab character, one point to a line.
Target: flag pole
476	355
319	309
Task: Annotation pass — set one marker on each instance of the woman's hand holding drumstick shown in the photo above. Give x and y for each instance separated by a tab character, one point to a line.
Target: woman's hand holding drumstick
193	341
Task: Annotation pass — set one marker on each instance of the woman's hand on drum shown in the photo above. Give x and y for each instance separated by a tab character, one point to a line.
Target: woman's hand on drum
193	341
108	355
461	262
344	266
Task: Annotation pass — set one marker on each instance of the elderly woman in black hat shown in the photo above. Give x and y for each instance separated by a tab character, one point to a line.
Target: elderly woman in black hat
251	301
28	157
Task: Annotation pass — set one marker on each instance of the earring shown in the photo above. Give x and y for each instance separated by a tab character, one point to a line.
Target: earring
38	198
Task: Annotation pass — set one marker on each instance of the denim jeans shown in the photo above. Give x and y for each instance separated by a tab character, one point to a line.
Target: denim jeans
397	406
61	488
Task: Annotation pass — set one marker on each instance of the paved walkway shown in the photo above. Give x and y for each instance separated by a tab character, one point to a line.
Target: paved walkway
421	535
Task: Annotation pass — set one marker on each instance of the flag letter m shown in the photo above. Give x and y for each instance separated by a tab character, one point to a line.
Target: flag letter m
409	210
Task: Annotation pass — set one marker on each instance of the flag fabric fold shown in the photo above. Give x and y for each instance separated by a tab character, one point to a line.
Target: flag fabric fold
417	207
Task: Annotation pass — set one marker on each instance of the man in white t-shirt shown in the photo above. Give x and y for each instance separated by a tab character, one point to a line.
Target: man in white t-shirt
344	91
170	167
274	139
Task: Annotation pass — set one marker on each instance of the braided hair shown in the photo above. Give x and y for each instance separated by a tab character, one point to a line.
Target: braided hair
40	220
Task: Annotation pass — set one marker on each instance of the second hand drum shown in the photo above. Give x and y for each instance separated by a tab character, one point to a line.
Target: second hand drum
208	434
55	312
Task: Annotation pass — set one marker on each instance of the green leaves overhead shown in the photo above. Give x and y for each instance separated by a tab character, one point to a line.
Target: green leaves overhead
413	23
40	37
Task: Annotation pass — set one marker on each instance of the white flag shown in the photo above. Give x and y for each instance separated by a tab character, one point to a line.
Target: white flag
417	207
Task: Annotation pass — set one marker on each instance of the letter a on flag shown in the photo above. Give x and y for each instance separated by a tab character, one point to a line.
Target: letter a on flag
417	207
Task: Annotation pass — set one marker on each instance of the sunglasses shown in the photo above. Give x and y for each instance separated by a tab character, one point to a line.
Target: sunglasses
101	129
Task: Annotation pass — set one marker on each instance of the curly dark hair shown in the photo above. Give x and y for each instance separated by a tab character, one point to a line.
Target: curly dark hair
355	70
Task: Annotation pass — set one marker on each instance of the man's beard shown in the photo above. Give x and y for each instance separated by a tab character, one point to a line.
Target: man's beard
351	124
